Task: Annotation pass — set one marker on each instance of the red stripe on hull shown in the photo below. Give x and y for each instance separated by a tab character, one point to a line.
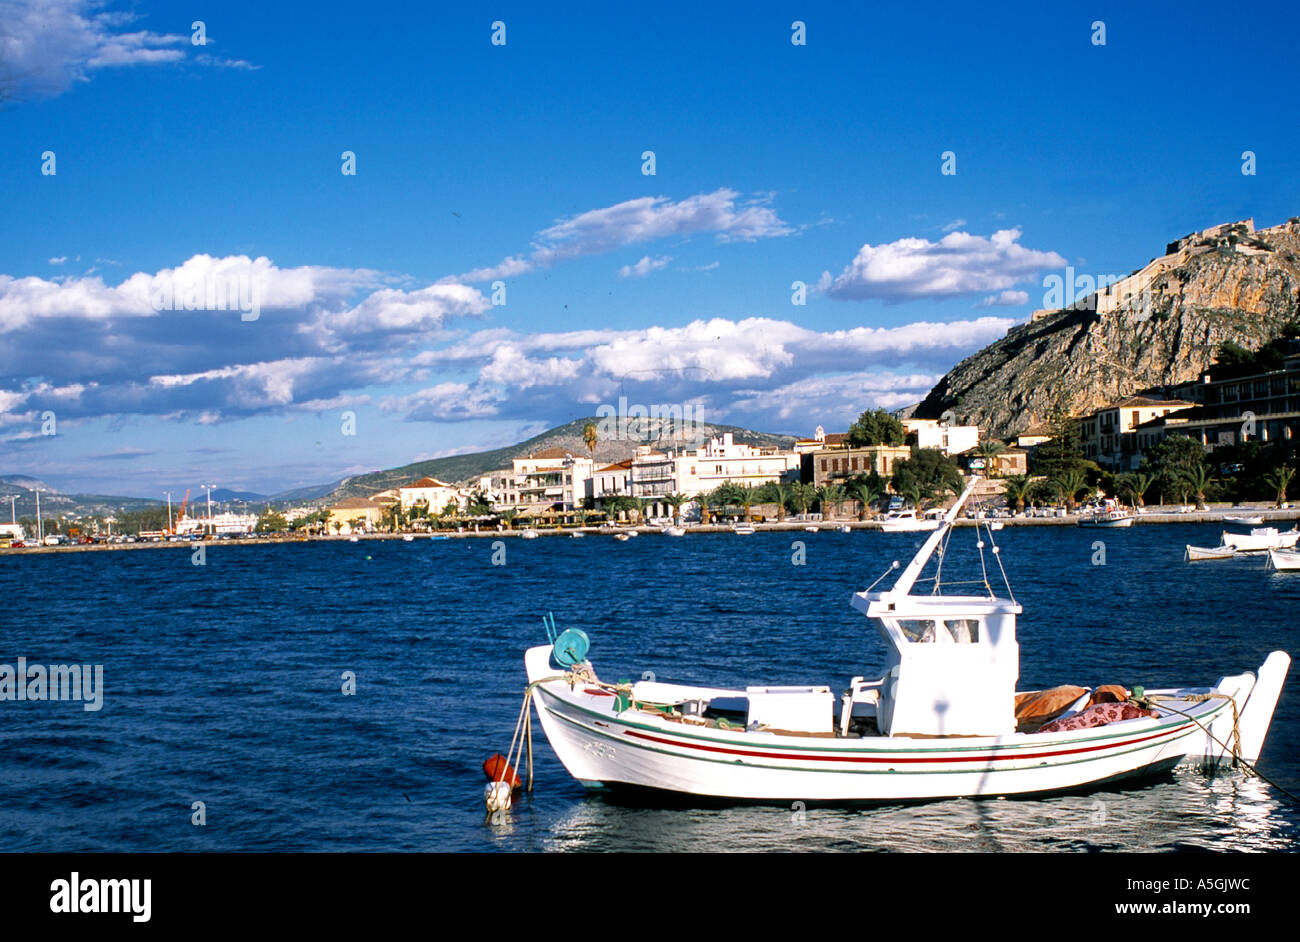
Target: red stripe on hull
902	759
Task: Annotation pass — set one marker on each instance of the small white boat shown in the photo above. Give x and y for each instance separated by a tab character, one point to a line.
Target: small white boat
1195	553
1245	521
996	524
622	537
940	722
1284	560
812	529
743	529
1260	539
576	535
354	539
631	533
529	534
906	521
674	531
845	528
1108	519
408	538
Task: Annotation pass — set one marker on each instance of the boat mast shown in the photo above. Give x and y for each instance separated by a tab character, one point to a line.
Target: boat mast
913	570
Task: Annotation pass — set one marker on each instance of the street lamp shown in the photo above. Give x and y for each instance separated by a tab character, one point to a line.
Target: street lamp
208	488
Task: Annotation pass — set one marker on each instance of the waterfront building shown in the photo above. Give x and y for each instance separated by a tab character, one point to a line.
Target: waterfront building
355	514
552	479
430	493
949	439
1110	434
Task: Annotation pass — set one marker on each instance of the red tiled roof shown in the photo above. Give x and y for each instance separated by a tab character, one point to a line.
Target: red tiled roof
427	482
551	453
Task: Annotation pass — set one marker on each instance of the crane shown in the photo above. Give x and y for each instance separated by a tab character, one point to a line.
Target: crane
181	516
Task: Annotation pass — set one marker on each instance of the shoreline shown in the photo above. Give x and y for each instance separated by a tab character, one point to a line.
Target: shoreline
1147	517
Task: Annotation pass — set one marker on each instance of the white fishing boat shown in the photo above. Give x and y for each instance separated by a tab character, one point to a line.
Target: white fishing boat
529	534
1254	521
743	529
1108	519
845	528
995	524
1260	539
674	531
812	529
408	538
940	721
1195	553
906	521
576	535
1284	560
622	537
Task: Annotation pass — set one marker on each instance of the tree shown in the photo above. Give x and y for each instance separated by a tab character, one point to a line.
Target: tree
989	451
1135	486
590	436
876	427
1016	488
271	521
864	492
675	501
746	497
1198	481
1070	485
508	517
1279	480
929	471
803	495
781	494
1170	460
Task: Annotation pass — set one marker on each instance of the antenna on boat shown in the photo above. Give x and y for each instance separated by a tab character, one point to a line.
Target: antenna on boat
913	570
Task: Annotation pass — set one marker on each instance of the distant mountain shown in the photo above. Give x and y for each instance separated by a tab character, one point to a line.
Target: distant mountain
465	468
55	503
224	494
1161	326
299	495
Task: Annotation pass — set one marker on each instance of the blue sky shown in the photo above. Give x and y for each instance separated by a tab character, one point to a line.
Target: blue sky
181	165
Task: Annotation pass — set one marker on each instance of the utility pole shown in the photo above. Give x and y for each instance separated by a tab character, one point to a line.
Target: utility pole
170	529
40	529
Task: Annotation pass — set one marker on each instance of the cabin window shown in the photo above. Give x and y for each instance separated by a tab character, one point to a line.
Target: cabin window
957	630
964	630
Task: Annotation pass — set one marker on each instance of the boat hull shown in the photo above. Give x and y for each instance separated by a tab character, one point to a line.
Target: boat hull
599	745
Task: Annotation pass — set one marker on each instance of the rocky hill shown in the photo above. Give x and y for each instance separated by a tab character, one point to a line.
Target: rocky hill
464	468
1159	326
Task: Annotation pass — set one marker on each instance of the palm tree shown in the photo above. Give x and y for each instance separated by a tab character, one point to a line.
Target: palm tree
590	437
1135	486
1198	481
508	517
1069	485
781	494
746	497
1016	488
864	494
1278	480
803	494
988	451
833	495
912	494
675	501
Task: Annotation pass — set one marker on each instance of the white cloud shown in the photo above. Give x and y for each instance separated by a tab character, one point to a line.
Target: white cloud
955	225
644	267
1006	299
645	219
959	263
46	46
58	259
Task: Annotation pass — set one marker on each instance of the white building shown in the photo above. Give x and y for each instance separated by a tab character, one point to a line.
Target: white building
431	493
220	523
550	479
949	439
720	461
12	531
611	480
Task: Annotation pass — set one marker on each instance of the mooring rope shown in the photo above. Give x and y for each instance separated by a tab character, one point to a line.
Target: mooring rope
1235	749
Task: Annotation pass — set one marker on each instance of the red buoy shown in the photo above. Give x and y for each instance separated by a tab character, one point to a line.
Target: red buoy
497	769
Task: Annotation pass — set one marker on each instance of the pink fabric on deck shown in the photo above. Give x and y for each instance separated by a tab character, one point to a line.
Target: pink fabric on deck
1098	715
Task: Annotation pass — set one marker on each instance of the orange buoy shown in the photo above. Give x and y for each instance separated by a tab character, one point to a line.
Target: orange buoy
497	769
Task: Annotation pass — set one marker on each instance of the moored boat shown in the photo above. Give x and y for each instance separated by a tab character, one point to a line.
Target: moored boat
743	529
674	531
1195	553
941	721
1253	521
1108	519
529	534
906	521
1260	539
1284	560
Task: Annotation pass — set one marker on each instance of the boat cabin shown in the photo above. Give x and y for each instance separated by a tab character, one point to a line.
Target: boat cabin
951	665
